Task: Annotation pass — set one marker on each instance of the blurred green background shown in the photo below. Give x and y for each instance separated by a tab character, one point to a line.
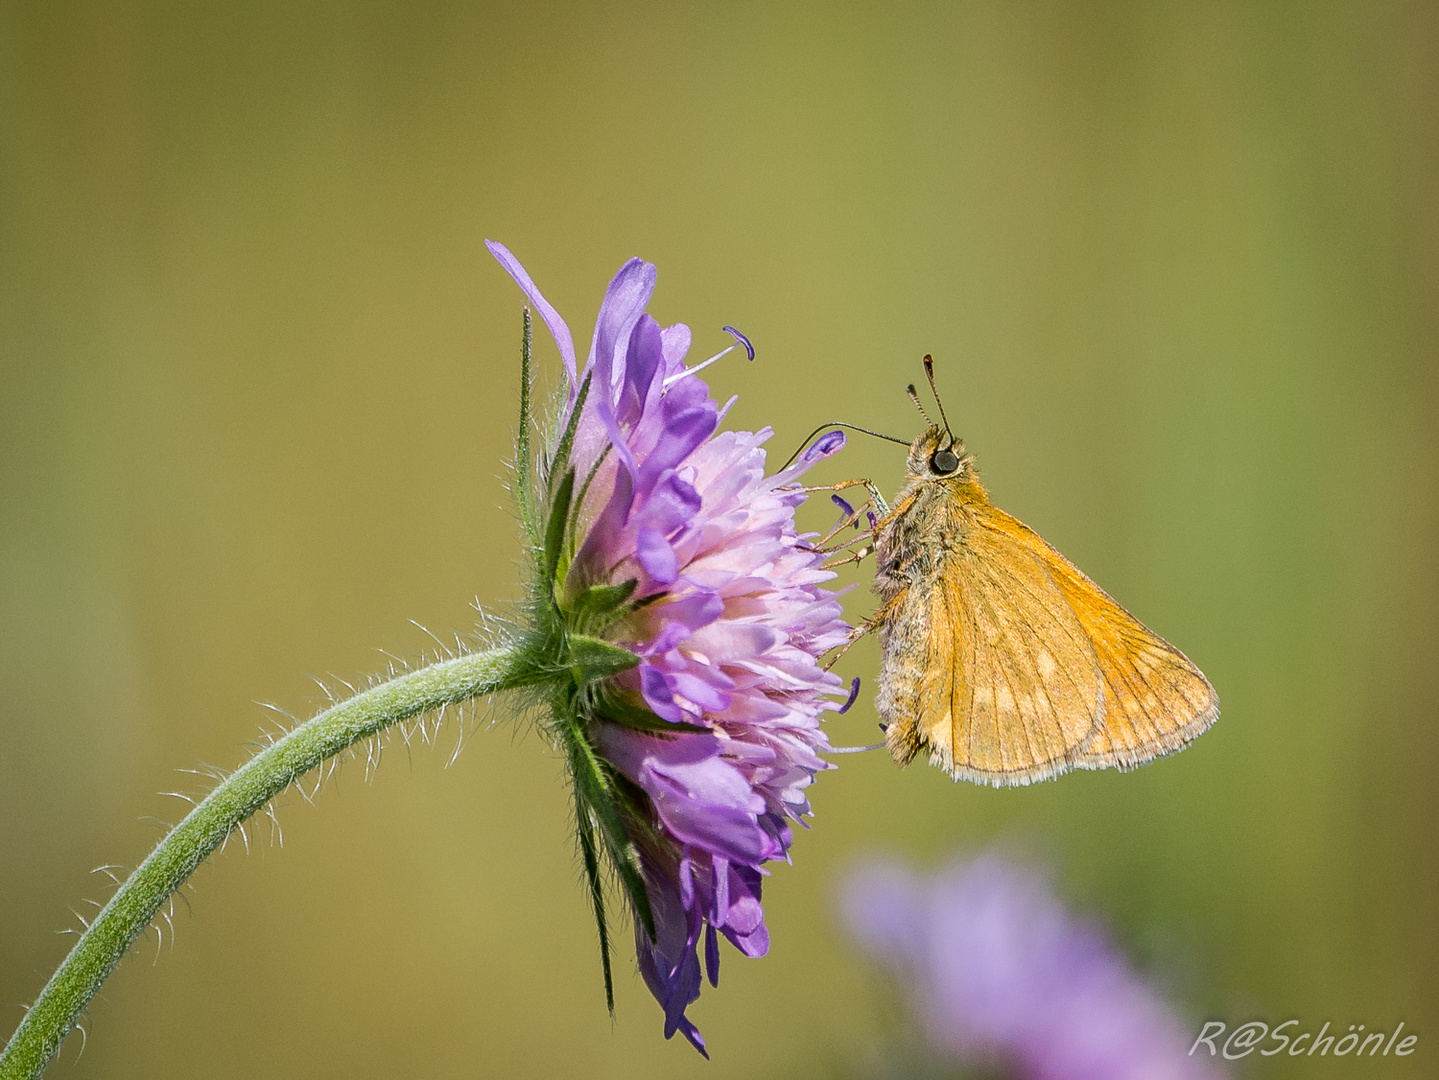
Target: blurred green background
1178	265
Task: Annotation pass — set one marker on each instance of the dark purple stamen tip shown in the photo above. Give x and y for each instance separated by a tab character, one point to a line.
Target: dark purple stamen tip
883	727
853	693
873	521
844	507
741	339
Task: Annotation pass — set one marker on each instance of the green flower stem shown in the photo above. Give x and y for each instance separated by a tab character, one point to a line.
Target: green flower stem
205	828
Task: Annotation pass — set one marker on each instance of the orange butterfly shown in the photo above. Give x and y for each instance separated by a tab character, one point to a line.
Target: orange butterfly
1001	658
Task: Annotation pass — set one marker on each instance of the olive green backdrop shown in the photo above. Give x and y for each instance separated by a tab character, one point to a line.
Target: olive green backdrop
1178	265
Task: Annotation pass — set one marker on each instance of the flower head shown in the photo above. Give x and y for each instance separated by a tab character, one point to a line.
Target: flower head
673	583
998	969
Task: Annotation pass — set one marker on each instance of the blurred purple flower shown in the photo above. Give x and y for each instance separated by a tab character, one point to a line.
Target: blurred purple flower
998	970
727	617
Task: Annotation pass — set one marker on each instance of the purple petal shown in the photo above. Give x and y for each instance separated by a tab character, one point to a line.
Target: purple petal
605	411
672	502
744	923
645	359
695	611
721	907
703	804
702	799
677	343
558	330
662	962
712	956
692	1033
704	694
684	989
670	635
687	880
656	556
683	432
624	302
745	916
623	305
753	944
735	641
655	686
775	826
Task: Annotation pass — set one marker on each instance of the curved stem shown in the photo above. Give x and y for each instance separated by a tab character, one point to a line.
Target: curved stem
205	828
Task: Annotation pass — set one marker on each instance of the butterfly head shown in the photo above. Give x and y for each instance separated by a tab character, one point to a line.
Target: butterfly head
937	455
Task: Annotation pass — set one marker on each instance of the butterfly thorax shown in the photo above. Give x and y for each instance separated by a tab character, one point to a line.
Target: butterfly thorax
930	516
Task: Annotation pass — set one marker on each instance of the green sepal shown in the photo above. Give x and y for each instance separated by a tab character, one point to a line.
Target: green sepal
593	659
601	599
555	530
595	790
589	852
562	452
623	713
523	494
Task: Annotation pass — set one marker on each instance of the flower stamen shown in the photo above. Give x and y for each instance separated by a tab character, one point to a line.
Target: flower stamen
687	372
740	340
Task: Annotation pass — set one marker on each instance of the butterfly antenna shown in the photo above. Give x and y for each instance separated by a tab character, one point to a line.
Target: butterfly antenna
914	397
929	374
833	424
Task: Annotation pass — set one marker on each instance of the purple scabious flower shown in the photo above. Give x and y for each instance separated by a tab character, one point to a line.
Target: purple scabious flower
997	969
692	759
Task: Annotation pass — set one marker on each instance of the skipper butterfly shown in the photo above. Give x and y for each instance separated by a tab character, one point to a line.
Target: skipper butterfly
1000	658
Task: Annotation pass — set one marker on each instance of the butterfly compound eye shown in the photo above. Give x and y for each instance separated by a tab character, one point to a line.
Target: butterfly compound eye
943	462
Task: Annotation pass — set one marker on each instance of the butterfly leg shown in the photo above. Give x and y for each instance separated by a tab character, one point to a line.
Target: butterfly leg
856	556
843	485
849	516
824	548
876	499
875	506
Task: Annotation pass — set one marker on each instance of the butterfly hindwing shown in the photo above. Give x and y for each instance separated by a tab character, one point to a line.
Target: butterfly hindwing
1155	700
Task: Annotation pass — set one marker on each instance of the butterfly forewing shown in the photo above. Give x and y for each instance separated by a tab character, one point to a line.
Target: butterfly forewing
1155	700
